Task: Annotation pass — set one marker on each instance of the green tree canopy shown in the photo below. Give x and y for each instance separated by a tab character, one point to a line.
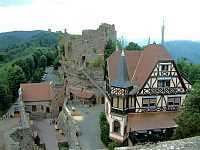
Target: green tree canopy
25	67
133	46
37	75
4	97
36	57
189	70
189	119
43	61
15	77
109	49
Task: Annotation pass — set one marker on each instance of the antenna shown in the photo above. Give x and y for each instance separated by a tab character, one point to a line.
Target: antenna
149	41
163	32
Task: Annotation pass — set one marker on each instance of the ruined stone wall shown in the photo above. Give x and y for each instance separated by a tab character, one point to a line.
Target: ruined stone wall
90	44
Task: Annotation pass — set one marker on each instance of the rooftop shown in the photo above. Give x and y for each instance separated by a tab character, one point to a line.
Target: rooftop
34	92
139	63
151	120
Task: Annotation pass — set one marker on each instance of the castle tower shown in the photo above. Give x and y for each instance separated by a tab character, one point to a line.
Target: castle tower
163	33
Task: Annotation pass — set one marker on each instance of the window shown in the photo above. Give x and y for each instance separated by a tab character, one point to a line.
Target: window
149	103
42	107
34	108
164	67
116	126
118	102
163	83
82	60
47	110
60	108
174	101
115	101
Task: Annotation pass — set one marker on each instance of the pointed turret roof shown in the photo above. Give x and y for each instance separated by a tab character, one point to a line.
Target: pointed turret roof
122	79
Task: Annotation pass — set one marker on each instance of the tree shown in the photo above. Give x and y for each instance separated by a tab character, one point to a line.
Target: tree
133	46
189	70
31	65
189	119
37	75
109	49
43	61
15	77
36	57
104	126
56	63
51	56
25	67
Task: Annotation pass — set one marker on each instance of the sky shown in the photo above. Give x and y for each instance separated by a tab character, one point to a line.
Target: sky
133	19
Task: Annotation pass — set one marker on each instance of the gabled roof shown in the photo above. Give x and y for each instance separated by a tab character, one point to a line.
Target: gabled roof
81	93
122	78
140	63
36	92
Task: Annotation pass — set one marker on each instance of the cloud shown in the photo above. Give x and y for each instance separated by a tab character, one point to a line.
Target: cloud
132	18
14	3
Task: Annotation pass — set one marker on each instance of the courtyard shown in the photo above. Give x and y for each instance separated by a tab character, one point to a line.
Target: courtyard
88	122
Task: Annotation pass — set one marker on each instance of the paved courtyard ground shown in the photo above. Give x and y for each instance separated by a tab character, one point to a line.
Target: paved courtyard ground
52	75
89	127
47	134
6	126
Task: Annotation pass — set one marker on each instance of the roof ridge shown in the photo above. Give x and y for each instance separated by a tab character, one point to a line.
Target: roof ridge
137	65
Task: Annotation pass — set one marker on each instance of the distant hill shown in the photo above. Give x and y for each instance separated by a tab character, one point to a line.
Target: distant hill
18	44
8	39
186	49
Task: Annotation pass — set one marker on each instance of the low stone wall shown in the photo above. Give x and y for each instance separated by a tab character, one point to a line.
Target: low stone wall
183	144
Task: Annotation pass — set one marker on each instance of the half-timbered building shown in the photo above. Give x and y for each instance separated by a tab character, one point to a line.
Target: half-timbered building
145	91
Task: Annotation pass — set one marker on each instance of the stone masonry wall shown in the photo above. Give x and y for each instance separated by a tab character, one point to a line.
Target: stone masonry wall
90	44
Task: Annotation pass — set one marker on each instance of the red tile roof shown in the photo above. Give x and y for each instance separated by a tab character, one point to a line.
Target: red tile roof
81	93
151	120
35	92
140	63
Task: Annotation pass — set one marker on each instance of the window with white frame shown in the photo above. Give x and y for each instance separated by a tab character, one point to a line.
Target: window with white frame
174	101
149	102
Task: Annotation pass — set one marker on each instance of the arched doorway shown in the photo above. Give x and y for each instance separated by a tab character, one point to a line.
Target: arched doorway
116	126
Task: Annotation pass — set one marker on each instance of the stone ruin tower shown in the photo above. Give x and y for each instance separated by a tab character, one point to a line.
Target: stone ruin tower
89	45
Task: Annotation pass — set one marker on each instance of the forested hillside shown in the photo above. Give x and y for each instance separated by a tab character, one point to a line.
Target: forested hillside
184	49
23	58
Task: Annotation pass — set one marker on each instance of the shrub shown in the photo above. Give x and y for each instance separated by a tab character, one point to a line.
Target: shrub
96	63
104	127
112	145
